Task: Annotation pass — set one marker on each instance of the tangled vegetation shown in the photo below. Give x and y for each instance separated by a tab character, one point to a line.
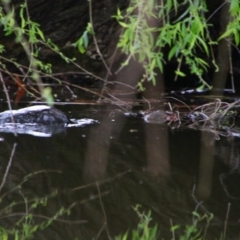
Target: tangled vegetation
153	32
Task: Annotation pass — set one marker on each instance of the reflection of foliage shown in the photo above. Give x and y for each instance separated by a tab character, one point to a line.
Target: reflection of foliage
189	232
24	217
143	230
26	225
193	231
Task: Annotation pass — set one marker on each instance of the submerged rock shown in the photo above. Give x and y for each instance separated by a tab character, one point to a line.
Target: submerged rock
40	114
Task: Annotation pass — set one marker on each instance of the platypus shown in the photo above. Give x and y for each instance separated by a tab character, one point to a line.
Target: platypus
39	114
158	116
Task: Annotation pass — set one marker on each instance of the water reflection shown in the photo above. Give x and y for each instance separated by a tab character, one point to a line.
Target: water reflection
206	164
42	130
100	171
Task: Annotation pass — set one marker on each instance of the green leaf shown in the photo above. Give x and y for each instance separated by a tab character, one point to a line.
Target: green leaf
40	33
80	46
169	6
47	94
226	34
119	14
159	64
123	24
3	233
203	43
179	73
174	228
2	48
234	7
89	28
175	3
182	16
85	39
202	87
172	52
236	36
23	22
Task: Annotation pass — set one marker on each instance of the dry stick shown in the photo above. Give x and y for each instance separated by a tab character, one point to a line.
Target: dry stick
14	78
125	104
231	66
229	107
103	210
100	231
8	166
107	75
149	104
110	179
73	85
95	40
6	93
75	64
110	66
9	102
217	105
180	102
22	214
199	204
225	175
93	92
226	220
216	10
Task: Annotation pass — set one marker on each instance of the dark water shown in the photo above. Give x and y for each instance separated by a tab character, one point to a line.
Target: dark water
101	171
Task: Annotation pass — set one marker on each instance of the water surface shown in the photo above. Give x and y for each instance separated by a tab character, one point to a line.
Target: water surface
101	171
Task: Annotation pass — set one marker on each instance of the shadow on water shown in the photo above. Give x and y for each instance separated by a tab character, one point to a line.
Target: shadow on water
100	188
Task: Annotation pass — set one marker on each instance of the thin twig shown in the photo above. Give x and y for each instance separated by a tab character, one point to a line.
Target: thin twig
226	220
8	166
100	182
180	102
22	214
231	66
148	102
8	101
95	40
103	210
